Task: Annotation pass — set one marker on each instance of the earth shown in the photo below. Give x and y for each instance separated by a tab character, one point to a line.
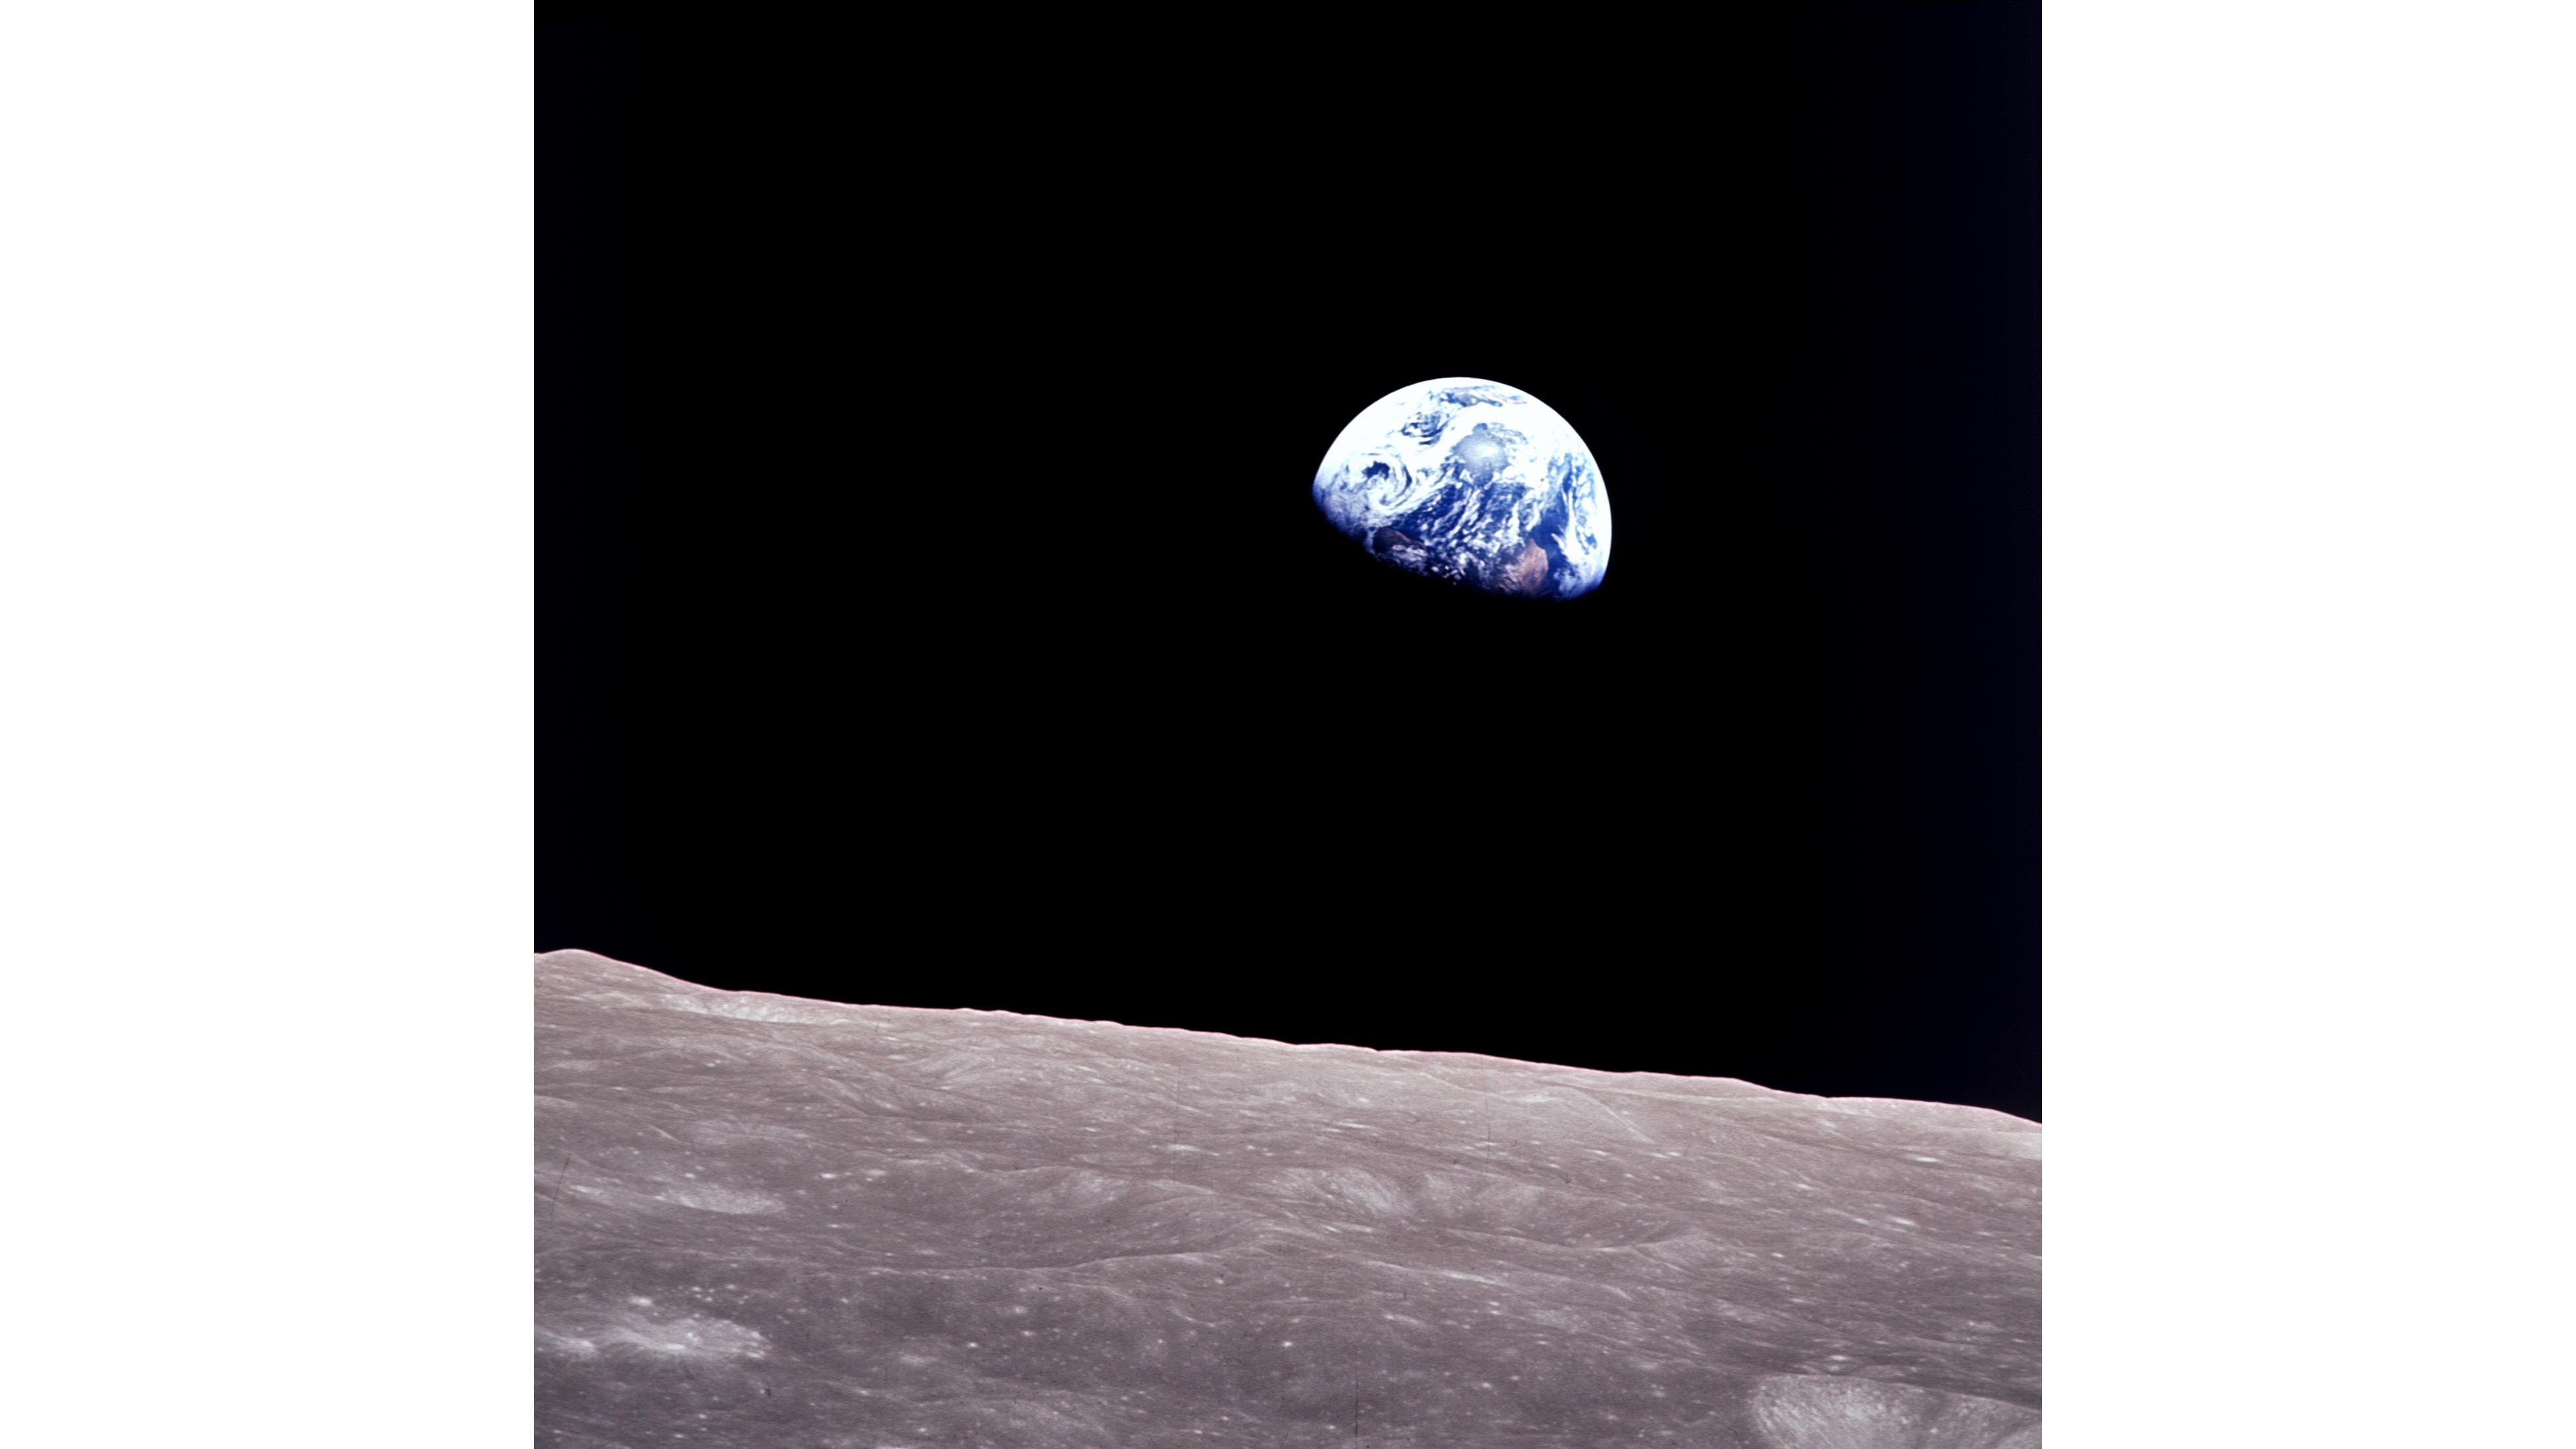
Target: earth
1473	482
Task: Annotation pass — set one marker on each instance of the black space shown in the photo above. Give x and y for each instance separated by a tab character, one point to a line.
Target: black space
931	610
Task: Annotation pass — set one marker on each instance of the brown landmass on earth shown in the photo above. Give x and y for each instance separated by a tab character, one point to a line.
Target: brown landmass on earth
1525	574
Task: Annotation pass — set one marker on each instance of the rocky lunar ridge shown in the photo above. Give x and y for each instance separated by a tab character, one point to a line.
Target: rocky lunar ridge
768	1222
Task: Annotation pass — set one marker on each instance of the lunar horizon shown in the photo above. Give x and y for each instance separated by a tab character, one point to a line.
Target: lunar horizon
762	1220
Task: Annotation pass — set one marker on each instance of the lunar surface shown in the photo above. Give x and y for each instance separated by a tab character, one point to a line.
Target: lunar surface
769	1222
1473	482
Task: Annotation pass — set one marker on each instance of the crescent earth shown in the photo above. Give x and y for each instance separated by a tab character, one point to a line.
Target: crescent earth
1474	482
